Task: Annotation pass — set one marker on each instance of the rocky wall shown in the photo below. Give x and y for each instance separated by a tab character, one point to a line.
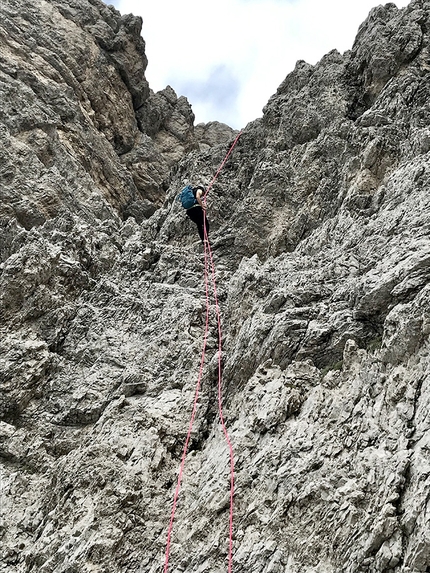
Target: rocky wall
320	231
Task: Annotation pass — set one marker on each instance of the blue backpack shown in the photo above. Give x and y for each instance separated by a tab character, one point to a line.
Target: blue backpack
187	198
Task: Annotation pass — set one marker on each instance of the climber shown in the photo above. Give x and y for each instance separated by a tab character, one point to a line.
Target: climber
192	200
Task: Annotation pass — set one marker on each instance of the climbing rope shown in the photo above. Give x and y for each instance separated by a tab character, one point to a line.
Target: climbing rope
233	145
221	416
209	271
190	426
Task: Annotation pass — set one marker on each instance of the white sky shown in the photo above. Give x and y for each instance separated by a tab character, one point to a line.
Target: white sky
229	56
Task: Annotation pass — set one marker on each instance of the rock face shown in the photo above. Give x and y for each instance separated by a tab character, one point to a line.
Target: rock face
320	226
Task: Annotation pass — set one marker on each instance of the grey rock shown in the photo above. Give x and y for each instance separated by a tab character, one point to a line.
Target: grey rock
213	133
320	226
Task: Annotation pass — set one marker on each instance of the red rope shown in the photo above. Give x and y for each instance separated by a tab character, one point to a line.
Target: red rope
190	427
221	416
208	259
222	164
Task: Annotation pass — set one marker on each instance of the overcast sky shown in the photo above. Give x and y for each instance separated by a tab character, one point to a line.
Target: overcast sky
229	56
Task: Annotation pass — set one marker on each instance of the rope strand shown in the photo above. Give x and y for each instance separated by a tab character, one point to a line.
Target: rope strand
209	262
190	427
233	145
220	410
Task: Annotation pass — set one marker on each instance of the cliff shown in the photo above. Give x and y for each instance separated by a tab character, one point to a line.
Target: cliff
320	227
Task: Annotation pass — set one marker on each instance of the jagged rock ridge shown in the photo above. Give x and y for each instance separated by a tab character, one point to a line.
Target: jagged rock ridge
320	225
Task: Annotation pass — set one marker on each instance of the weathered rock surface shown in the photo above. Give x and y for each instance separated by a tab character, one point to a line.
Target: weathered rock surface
320	226
79	122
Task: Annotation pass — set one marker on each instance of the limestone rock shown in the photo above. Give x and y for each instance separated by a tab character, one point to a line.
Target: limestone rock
213	133
75	114
320	225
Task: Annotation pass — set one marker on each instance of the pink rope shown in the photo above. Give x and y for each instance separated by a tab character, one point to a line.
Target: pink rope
208	259
220	410
190	427
222	164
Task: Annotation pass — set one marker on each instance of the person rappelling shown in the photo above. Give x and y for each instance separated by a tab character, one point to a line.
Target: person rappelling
192	199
